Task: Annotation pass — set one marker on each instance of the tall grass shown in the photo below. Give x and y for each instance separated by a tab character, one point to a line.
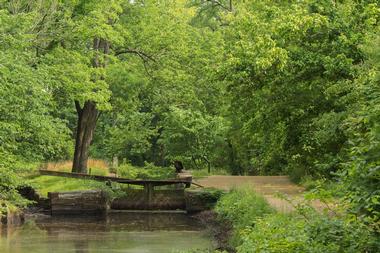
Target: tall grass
95	167
242	206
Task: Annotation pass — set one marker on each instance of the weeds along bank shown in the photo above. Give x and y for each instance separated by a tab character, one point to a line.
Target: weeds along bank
257	227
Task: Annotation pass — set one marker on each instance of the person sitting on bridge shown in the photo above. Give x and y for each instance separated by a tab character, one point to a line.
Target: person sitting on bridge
178	166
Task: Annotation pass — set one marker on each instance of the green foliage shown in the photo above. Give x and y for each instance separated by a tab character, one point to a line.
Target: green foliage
210	195
286	233
274	233
149	171
258	228
241	207
361	174
192	137
46	184
9	196
27	127
251	87
291	70
166	108
340	234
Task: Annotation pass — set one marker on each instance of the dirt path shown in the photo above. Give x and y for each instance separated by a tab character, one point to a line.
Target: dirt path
268	186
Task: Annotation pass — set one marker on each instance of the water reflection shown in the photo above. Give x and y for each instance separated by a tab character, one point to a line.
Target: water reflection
81	247
121	232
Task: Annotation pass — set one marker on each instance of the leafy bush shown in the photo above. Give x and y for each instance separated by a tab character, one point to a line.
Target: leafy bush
242	206
291	233
9	196
258	228
149	171
211	195
274	233
339	234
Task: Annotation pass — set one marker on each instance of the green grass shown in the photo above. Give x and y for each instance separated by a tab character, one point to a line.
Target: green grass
149	171
242	206
45	184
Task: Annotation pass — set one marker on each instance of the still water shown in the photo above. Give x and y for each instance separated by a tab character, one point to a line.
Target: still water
116	232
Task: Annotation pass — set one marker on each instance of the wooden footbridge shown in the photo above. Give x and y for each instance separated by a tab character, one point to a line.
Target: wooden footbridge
184	179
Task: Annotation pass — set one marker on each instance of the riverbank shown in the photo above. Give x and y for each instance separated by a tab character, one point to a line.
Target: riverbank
220	230
244	222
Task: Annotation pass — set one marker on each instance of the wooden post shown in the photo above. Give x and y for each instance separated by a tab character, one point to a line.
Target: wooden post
149	188
115	162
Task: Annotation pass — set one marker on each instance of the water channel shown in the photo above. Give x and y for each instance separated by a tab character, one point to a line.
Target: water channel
116	232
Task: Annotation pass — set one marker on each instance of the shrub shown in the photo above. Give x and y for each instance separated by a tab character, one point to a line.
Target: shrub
258	228
274	233
280	233
242	206
211	195
340	234
149	171
9	196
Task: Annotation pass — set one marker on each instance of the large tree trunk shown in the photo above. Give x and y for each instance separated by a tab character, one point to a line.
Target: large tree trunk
87	117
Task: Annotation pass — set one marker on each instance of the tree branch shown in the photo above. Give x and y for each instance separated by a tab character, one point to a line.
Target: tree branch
137	52
218	3
77	107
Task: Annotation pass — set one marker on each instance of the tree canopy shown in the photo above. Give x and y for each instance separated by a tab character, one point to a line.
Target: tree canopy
253	87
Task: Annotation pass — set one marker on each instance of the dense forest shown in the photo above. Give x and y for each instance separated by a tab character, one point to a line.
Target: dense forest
250	87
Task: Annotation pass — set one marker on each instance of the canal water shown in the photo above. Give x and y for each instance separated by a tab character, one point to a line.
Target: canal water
116	232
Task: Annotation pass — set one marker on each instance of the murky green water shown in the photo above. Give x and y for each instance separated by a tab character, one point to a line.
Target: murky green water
119	232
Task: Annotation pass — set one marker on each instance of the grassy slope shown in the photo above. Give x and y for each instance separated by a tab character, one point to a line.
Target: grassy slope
45	184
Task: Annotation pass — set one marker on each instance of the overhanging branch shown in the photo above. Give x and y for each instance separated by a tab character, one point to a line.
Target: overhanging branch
141	54
218	3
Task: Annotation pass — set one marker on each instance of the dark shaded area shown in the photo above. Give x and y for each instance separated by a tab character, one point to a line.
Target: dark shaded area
178	166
